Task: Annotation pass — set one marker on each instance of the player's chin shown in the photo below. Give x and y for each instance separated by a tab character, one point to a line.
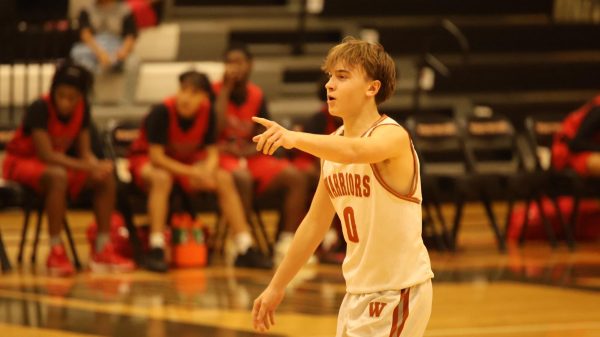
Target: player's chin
333	111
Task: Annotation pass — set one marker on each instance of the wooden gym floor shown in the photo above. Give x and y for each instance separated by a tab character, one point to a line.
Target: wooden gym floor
527	292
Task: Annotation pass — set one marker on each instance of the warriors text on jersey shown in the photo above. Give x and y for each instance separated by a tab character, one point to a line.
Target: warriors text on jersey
381	226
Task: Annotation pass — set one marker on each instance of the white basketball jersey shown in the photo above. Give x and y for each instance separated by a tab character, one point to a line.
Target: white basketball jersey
381	226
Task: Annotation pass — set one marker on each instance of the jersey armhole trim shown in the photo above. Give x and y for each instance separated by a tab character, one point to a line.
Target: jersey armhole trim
375	125
410	196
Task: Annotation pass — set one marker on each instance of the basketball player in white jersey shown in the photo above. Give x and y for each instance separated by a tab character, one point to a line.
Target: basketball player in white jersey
370	177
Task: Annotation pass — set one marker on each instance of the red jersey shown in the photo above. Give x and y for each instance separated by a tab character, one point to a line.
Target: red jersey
239	124
181	144
62	135
571	124
561	153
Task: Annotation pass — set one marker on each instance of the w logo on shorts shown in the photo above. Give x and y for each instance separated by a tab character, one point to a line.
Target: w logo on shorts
375	308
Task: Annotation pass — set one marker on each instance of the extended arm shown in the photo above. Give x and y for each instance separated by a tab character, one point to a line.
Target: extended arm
387	143
308	236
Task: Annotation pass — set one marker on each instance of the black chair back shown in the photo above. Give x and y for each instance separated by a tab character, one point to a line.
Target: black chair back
540	131
439	142
120	136
491	145
6	134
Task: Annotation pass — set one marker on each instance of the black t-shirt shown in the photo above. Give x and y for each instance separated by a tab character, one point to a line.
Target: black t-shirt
317	124
36	117
239	98
157	126
128	25
263	111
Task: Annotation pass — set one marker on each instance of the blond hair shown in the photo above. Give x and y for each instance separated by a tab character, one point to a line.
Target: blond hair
371	57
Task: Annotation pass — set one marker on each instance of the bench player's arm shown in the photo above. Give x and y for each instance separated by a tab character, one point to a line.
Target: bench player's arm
211	164
386	141
159	158
100	169
84	144
308	236
46	153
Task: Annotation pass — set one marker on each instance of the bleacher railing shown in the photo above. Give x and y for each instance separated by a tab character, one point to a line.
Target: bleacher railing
577	11
27	54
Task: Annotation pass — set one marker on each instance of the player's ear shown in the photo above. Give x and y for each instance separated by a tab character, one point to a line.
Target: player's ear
373	88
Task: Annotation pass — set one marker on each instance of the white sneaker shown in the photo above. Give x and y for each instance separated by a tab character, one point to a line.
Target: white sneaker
283	245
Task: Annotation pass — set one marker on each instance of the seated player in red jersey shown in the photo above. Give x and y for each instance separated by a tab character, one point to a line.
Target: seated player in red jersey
321	122
333	247
577	145
238	100
176	145
37	158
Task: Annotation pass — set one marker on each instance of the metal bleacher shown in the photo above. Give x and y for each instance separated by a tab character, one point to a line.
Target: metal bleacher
516	52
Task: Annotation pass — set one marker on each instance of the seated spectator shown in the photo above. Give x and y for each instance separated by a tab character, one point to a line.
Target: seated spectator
321	122
108	32
177	145
37	158
144	12
577	145
238	100
333	247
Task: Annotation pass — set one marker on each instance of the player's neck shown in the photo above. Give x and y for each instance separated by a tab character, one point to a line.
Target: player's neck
356	125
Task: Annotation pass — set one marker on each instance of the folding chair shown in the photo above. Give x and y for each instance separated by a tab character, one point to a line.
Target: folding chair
540	133
130	200
9	194
29	201
439	144
4	262
497	165
33	201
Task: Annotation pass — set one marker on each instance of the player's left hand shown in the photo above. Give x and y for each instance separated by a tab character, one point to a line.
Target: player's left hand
263	311
101	169
274	137
202	177
121	54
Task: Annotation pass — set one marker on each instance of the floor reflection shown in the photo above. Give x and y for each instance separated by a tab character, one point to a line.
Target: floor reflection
216	301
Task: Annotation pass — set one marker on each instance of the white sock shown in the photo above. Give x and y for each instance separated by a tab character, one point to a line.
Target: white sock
243	241
55	240
330	239
157	240
101	241
286	236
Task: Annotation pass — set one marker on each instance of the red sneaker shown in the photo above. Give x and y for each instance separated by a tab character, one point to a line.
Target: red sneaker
58	263
108	260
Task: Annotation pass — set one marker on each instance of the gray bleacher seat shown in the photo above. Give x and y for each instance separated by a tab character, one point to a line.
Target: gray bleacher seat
158	80
36	76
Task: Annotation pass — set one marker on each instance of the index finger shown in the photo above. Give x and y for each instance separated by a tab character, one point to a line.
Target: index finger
255	310
264	122
262	317
258	304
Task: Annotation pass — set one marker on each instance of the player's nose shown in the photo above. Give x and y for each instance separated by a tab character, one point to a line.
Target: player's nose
329	85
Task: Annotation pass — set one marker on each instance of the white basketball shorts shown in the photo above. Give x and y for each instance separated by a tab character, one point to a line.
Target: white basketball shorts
403	313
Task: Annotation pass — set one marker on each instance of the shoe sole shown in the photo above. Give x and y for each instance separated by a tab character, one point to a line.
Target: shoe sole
56	272
97	267
263	267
